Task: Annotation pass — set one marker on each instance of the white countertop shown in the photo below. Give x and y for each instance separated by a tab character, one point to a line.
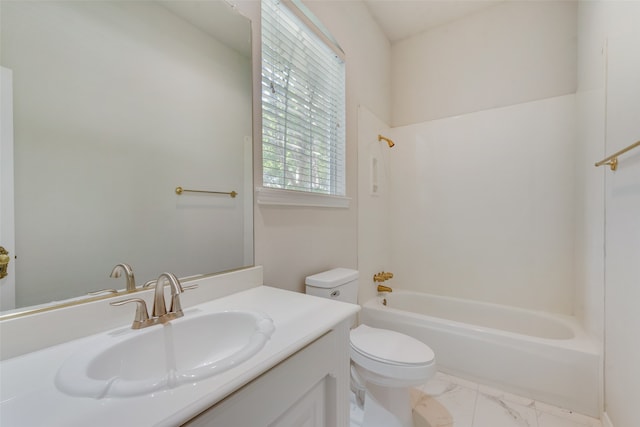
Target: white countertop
29	397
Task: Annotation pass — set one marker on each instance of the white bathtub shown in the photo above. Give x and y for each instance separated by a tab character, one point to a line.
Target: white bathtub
542	356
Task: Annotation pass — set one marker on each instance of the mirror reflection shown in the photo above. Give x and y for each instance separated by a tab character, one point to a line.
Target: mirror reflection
115	104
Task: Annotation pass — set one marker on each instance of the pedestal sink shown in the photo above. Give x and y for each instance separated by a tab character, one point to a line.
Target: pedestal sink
185	350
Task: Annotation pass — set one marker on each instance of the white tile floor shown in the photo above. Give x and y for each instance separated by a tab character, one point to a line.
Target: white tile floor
468	404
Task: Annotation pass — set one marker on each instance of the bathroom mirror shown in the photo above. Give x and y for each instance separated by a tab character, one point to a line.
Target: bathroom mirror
115	104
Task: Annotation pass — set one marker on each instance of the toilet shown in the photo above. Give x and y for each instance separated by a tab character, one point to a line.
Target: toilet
384	364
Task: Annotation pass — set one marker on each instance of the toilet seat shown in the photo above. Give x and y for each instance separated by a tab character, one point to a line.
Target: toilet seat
390	346
390	358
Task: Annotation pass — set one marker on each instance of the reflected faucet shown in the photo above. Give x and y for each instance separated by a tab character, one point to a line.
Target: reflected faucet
126	269
159	305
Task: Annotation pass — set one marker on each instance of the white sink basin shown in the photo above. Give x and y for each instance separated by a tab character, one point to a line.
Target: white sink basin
185	350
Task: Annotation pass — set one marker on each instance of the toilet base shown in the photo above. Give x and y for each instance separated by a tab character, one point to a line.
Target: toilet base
387	407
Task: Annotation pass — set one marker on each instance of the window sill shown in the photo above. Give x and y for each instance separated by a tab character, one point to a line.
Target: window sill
278	197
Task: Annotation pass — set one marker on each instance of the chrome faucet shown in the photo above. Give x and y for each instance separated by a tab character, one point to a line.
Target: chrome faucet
159	305
126	269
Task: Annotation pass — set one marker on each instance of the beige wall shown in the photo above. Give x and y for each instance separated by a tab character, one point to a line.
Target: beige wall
294	242
608	230
622	216
507	54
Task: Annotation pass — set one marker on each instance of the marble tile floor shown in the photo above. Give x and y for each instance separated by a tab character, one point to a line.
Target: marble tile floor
448	401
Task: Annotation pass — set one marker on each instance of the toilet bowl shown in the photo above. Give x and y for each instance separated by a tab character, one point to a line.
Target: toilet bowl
385	364
389	364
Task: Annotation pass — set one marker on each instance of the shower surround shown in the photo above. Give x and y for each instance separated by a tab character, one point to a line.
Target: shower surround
487	198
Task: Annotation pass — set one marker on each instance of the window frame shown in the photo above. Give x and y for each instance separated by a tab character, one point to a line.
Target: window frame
267	195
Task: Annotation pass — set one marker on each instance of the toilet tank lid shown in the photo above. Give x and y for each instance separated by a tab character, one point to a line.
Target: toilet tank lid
332	278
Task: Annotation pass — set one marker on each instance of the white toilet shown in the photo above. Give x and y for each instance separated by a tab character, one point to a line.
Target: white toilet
385	363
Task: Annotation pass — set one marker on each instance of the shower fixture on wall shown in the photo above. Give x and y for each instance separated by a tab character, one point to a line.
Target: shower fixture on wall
389	142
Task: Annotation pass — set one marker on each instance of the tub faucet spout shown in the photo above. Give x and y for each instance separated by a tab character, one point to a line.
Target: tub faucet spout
383	288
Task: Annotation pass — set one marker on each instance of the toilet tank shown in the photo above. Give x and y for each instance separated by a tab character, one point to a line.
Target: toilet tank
339	284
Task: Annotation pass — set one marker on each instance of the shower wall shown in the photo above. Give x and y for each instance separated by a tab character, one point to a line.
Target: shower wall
482	174
482	205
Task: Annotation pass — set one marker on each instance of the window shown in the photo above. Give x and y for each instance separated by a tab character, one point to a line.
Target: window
303	106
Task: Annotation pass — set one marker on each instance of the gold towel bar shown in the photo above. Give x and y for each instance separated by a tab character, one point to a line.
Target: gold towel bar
612	160
180	190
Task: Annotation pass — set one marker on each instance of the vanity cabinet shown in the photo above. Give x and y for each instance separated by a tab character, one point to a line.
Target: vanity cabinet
300	377
310	388
309	411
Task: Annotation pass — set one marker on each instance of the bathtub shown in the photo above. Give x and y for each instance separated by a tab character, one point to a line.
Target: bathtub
539	355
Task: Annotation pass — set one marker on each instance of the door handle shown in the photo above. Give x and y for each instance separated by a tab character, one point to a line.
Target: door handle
4	262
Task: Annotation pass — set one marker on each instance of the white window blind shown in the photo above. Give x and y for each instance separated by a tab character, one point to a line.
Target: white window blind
303	106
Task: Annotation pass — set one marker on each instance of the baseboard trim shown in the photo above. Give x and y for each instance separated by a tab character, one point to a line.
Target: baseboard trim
606	422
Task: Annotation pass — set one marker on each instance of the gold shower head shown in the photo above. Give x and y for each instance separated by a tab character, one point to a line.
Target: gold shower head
389	142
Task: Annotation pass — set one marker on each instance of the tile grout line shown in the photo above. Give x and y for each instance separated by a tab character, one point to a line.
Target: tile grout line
475	406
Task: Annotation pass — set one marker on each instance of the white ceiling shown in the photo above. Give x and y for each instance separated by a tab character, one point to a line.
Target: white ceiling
400	19
218	19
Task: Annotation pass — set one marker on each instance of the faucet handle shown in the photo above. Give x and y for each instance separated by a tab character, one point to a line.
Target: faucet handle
176	307
148	284
142	315
382	276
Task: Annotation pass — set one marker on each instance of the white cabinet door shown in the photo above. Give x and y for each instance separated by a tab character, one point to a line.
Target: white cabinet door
308	389
309	411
